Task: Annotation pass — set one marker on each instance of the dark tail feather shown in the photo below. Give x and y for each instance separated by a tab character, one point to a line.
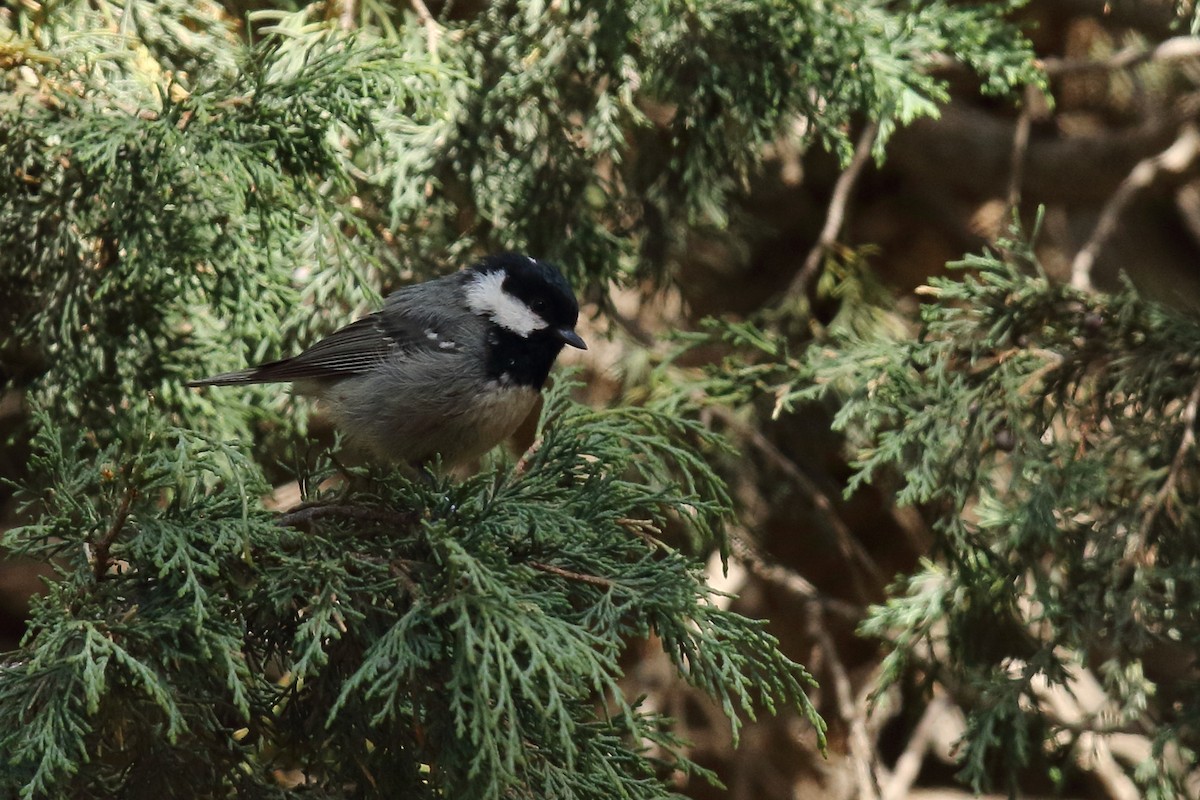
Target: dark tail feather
252	375
285	369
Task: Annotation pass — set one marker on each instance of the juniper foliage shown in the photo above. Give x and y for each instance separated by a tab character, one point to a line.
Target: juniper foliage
1049	436
186	190
433	638
181	203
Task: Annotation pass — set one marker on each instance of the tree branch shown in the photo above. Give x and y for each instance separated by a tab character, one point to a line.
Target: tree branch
853	713
747	553
300	516
908	765
836	214
1177	48
1074	704
1020	150
851	549
427	20
100	551
1174	160
346	14
1136	546
593	580
968	152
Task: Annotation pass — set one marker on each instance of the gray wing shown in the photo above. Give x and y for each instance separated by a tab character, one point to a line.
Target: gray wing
428	317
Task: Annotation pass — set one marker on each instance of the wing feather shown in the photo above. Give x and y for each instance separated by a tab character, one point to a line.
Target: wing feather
414	319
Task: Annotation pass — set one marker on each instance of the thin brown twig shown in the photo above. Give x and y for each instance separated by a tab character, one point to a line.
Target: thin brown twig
1020	148
401	570
531	451
792	582
852	549
836	215
299	516
100	551
854	714
1174	160
346	14
1177	48
594	580
908	765
1135	547
431	26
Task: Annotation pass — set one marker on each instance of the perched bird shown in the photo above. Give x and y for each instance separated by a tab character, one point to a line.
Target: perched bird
448	367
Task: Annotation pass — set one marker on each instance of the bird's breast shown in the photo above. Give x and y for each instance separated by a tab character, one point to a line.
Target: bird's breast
500	409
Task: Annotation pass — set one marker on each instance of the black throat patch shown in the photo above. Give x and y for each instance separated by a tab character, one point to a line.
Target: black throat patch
515	360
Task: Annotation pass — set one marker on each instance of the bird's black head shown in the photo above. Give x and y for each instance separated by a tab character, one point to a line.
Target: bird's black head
533	313
525	297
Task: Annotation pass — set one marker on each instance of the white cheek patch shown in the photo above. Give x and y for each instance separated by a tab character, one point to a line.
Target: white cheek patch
486	295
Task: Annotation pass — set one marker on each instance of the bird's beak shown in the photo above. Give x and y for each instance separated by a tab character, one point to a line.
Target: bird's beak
572	338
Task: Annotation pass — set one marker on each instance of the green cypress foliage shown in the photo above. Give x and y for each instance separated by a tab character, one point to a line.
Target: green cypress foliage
187	190
431	638
1049	433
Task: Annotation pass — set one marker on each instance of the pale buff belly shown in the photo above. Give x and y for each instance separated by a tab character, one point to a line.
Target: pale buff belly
459	426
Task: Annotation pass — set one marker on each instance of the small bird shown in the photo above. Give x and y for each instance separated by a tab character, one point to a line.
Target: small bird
448	367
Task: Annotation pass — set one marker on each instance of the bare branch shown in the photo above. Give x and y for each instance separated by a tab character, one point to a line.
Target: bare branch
1177	48
1136	546
1174	160
852	550
908	765
1020	147
748	555
594	580
300	516
836	214
968	151
431	27
100	559
346	14
851	711
1075	704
